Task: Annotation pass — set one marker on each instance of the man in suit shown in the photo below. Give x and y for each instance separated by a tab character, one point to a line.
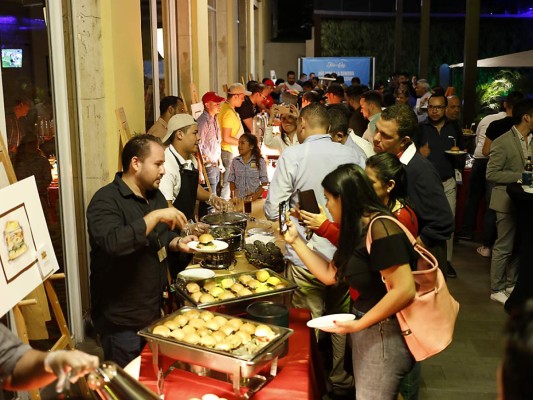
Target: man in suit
508	155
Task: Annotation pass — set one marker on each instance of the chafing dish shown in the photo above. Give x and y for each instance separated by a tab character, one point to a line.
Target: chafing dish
231	218
237	305
236	363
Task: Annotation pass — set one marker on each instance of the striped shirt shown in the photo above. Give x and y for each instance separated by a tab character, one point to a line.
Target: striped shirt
210	139
247	177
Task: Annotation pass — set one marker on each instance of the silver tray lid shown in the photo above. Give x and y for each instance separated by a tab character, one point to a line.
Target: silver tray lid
282	334
180	287
225	218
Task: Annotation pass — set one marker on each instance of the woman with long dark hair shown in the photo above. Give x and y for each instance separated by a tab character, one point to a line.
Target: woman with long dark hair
248	171
287	136
379	352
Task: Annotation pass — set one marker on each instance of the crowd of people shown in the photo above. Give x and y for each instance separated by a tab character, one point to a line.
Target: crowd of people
366	153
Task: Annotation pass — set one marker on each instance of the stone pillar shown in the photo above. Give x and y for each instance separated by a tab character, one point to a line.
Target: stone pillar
200	46
470	61
184	49
232	41
423	66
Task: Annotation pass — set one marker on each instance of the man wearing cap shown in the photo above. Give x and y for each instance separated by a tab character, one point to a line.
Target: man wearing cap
231	130
270	86
250	105
210	139
169	106
180	184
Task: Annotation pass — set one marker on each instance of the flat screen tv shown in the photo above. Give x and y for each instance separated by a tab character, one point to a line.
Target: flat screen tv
11	58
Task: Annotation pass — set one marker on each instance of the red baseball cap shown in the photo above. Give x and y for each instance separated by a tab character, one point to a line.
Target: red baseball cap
212	96
269	82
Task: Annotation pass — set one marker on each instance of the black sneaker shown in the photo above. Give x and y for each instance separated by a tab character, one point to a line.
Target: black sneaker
450	271
463	235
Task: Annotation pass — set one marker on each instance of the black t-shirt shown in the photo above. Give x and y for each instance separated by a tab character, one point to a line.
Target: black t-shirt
499	127
357	122
390	247
245	111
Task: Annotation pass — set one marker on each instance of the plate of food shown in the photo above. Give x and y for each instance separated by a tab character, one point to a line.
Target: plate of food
455	151
327	321
207	244
196	274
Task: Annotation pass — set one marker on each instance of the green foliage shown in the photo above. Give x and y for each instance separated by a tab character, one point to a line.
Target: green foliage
500	84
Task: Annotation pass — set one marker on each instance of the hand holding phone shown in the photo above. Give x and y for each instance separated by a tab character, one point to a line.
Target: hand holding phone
282	216
307	200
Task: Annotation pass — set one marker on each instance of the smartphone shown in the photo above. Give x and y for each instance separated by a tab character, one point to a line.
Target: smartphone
282	216
307	200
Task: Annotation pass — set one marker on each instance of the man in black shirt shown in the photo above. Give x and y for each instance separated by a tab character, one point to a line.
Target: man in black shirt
249	108
499	127
437	136
130	226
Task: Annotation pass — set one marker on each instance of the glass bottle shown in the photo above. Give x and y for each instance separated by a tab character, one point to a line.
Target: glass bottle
527	173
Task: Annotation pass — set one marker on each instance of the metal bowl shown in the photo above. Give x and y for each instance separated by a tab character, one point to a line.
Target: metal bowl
232	235
227	218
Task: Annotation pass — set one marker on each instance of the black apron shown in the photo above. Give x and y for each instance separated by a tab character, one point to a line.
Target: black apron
185	202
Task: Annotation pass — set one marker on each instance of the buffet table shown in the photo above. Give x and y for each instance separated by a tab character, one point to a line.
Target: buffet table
296	376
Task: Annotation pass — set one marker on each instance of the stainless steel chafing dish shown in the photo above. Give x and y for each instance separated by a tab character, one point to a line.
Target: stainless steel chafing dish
237	305
237	364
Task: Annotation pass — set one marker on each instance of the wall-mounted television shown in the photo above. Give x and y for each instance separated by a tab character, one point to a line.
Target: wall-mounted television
11	58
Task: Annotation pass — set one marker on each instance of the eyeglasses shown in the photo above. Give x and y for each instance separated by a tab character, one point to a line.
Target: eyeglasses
436	107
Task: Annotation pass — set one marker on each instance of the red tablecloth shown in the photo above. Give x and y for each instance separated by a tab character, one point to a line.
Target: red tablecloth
295	380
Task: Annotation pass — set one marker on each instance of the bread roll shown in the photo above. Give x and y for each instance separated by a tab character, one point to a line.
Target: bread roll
207	315
196	296
188	329
210	285
171	324
245	337
197	323
218	336
262	275
203	332
206	298
222	346
248	328
227	329
226	296
252	283
191	314
216	291
245	292
191	338
280	286
273	280
220	320
236	323
208	341
262	288
233	341
226	283
263	332
177	334
161	330
212	324
181	320
192	287
237	287
244	278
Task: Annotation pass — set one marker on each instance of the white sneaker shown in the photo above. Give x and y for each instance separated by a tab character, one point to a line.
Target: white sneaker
484	251
500	297
509	290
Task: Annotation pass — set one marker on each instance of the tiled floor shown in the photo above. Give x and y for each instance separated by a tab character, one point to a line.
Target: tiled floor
467	369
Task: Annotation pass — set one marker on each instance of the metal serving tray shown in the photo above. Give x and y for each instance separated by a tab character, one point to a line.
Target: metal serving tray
237	305
238	366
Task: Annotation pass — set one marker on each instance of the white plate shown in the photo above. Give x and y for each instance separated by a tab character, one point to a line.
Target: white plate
219	245
196	274
327	320
456	153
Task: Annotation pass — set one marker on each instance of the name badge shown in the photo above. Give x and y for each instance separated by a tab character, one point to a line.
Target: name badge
253	165
162	254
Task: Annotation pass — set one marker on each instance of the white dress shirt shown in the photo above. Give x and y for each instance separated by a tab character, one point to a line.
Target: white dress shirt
171	182
481	131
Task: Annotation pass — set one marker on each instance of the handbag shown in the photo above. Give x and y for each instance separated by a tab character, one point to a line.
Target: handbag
427	323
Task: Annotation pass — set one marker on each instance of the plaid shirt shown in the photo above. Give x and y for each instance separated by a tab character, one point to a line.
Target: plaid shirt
247	177
210	139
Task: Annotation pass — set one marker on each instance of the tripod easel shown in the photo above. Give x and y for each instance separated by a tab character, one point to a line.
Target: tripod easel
65	341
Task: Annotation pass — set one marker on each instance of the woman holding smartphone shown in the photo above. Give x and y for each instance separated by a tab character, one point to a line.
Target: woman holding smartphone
287	136
379	353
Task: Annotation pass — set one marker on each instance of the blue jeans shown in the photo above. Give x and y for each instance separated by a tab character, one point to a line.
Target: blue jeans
225	191
122	347
380	360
